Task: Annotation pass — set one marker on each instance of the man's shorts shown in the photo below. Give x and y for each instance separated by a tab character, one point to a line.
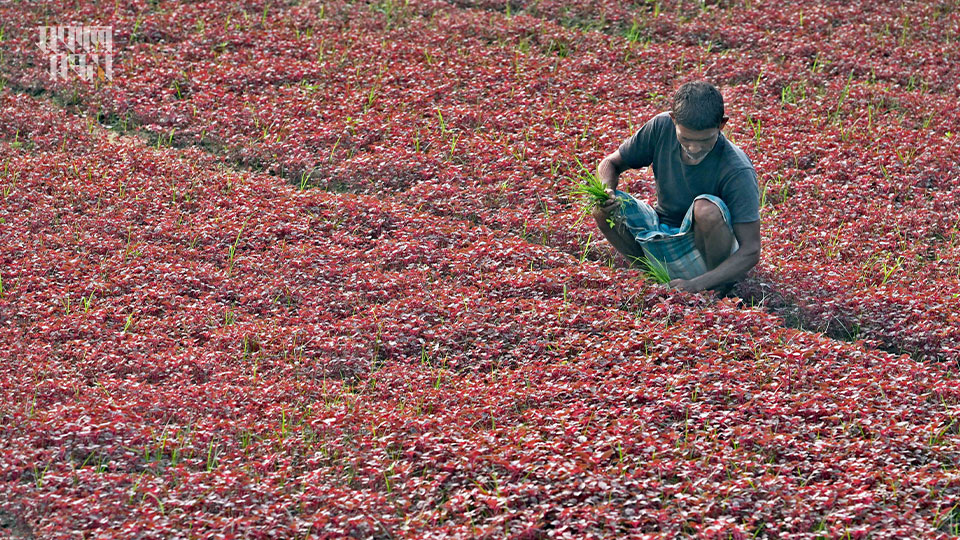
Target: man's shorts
671	245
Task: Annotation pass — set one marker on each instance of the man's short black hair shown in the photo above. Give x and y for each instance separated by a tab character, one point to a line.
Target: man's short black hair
698	105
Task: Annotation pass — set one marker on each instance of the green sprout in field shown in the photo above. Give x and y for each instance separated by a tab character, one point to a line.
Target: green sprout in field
655	268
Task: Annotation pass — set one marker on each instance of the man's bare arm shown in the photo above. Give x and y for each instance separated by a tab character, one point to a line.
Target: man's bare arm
737	265
609	170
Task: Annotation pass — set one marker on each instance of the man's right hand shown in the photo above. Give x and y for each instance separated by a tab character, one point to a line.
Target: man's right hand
609	208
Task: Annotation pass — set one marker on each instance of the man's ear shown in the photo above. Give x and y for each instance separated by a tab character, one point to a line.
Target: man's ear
723	121
671	115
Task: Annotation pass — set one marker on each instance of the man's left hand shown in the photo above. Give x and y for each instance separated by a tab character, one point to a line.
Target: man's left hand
684	285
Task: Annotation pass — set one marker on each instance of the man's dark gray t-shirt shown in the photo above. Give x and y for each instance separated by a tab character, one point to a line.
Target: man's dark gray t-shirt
726	172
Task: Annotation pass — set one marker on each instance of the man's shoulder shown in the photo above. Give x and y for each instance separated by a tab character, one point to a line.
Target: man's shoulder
646	144
733	158
659	127
662	120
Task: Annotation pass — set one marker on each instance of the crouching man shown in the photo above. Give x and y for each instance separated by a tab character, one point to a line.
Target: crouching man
706	226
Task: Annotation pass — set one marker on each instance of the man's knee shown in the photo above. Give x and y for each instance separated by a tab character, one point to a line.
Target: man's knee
706	213
603	218
598	214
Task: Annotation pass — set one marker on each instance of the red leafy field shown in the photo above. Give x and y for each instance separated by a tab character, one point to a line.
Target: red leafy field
314	269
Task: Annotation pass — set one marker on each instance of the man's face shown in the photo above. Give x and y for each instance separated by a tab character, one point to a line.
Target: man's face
697	143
